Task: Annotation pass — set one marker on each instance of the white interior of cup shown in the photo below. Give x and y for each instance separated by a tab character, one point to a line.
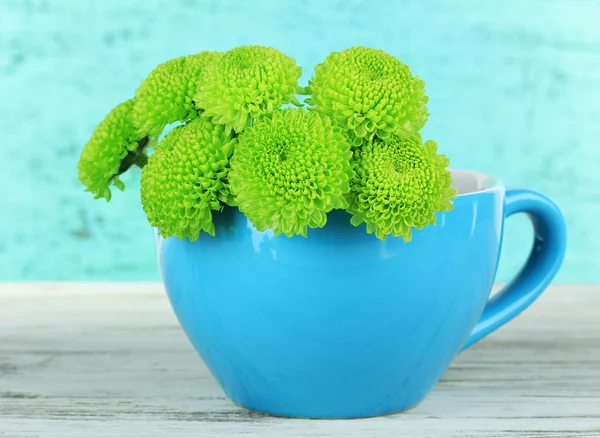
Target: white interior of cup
466	182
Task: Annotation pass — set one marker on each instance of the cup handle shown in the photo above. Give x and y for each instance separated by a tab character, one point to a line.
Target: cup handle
544	260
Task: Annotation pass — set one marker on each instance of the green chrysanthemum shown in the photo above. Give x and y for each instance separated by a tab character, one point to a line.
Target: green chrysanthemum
289	170
113	148
186	179
399	185
246	83
166	95
369	93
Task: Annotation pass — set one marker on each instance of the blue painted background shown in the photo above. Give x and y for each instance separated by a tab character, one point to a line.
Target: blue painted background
514	91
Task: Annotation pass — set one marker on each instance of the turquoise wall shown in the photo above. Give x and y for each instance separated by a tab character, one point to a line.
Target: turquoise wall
514	91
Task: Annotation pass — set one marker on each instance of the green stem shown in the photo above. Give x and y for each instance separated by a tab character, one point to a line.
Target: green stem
141	160
137	157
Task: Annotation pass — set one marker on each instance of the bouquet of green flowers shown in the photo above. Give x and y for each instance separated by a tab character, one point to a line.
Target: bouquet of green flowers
245	141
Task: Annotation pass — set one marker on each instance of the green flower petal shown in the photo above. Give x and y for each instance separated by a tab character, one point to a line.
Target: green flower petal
113	148
165	96
246	83
186	178
369	93
289	170
399	185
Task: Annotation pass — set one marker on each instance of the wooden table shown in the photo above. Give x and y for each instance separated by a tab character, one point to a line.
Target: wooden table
110	360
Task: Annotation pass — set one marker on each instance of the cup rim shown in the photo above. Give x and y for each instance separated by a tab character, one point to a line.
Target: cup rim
469	182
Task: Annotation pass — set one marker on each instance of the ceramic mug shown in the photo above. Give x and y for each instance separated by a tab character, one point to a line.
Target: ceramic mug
341	324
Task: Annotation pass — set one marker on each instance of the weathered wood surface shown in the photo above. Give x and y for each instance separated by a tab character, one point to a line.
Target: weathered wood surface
110	360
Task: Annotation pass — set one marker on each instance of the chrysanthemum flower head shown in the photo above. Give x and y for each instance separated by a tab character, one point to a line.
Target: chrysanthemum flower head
289	170
112	149
246	83
166	95
399	184
186	179
369	93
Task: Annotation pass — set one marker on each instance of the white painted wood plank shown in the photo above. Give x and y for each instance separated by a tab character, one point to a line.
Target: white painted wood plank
108	359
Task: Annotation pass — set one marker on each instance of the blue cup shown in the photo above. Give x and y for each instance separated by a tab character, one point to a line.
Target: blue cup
341	324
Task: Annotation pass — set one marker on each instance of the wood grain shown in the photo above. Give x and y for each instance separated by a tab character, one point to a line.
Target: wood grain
108	359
